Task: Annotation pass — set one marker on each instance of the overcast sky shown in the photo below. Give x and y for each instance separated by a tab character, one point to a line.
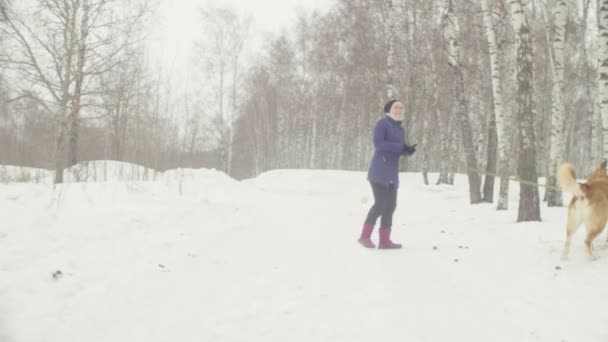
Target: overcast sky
178	25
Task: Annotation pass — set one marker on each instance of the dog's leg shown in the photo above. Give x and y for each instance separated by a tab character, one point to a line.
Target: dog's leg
575	219
594	228
592	233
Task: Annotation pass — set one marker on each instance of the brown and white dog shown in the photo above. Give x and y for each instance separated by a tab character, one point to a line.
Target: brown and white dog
589	204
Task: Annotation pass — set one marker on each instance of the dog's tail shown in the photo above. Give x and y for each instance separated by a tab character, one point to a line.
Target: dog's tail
567	179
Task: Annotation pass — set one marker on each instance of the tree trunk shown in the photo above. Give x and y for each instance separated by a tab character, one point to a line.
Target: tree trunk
499	115
488	185
74	118
556	149
446	148
603	72
451	35
390	24
529	204
591	125
425	149
467	140
64	111
60	152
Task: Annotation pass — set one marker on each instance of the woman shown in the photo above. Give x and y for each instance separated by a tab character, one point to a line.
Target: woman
390	144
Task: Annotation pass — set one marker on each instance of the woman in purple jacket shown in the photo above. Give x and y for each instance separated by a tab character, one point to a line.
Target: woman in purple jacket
390	144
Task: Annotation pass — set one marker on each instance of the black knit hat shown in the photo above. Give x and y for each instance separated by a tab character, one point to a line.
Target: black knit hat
388	105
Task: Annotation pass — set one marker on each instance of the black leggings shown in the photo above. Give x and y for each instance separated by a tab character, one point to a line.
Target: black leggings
385	202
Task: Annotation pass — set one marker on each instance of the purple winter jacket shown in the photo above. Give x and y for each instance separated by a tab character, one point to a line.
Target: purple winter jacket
389	137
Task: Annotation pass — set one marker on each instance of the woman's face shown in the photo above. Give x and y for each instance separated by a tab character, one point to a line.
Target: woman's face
397	111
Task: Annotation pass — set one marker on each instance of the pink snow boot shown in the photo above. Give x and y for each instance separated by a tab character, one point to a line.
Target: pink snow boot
385	239
366	234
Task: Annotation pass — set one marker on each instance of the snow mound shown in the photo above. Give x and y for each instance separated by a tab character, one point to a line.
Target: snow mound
108	170
19	174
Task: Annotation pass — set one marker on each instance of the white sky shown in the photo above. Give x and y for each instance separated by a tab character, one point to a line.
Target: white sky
178	25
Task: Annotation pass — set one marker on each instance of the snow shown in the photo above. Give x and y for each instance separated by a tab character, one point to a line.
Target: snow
10	173
193	255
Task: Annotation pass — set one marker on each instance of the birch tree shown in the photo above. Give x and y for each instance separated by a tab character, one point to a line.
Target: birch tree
529	206
81	33
221	54
391	11
451	33
120	88
33	47
500	114
593	118
556	148
429	85
56	46
603	70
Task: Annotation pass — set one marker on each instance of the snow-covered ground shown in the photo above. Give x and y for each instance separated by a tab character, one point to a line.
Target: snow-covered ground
193	255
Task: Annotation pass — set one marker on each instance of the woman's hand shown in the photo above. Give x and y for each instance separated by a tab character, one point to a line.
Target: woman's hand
408	150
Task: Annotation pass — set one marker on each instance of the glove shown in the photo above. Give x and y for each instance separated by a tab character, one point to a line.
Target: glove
408	150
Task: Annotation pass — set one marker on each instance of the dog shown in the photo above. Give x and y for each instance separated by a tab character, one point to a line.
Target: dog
589	204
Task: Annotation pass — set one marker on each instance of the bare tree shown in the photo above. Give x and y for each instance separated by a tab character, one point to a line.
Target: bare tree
603	69
59	44
451	31
500	115
221	54
120	87
556	151
433	115
34	49
76	97
391	14
593	119
529	206
328	83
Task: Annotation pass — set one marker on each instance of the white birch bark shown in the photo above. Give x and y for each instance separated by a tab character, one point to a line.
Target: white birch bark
499	110
390	27
451	35
603	71
556	148
529	206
